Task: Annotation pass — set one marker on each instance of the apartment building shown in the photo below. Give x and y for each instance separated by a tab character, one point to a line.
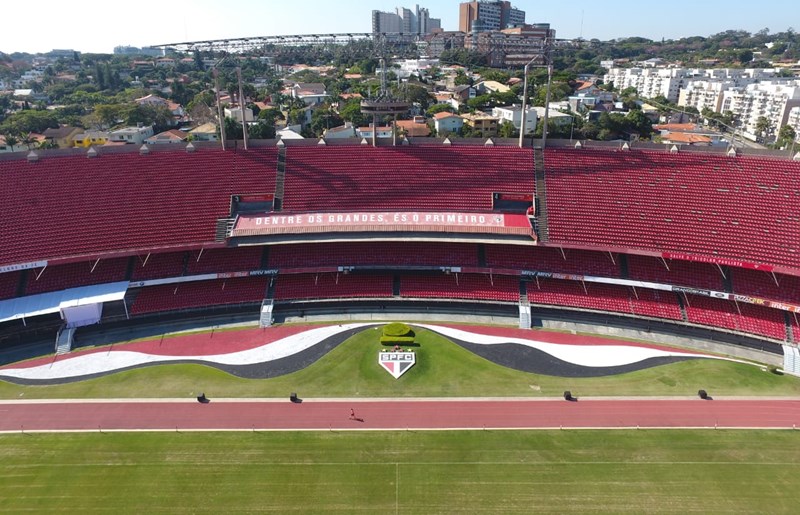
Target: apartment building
774	100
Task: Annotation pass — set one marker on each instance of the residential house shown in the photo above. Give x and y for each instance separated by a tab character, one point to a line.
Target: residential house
288	133
366	132
205	132
309	92
446	123
89	138
689	134
343	131
235	113
177	111
513	114
481	124
554	117
491	86
62	136
171	136
414	128
133	135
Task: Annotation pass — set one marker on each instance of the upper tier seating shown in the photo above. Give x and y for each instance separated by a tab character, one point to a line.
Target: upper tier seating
373	254
240	259
416	178
332	286
9	282
549	259
762	284
461	286
680	273
68	206
72	275
158	266
722	313
738	208
169	297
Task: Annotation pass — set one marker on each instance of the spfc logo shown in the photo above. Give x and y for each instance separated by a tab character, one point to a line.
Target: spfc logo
397	363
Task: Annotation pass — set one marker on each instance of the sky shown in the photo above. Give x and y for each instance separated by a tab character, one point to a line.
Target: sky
101	27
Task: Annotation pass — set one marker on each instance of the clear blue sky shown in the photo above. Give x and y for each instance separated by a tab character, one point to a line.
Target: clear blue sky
99	27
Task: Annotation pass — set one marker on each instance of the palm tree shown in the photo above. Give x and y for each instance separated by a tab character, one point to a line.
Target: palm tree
29	140
11	141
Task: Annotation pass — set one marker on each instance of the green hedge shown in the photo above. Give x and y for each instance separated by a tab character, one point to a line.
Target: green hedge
397	329
396	340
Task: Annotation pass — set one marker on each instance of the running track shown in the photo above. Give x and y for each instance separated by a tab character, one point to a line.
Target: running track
393	414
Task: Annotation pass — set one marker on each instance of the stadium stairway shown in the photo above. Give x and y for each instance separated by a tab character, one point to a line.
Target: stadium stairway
681	303
64	340
727	280
280	180
541	196
624	272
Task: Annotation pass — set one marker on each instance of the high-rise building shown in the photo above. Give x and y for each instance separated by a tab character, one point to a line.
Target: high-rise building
405	20
489	15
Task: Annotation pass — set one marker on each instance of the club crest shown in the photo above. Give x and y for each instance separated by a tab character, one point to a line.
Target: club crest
397	363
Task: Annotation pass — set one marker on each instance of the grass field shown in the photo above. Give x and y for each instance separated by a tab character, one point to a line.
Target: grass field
402	472
443	369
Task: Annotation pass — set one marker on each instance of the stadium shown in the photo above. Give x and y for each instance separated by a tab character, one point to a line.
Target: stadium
695	250
647	238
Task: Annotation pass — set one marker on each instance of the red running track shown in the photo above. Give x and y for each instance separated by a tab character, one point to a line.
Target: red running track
461	414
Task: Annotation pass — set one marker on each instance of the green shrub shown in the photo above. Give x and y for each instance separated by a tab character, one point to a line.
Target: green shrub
397	329
396	340
397	333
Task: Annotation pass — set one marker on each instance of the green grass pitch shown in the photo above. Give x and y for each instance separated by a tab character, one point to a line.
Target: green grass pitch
402	472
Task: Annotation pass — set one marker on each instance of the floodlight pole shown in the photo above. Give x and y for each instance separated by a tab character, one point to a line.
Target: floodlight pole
220	115
524	103
547	105
241	105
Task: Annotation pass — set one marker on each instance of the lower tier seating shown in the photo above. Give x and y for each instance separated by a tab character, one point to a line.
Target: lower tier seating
158	266
551	259
332	286
386	253
170	297
9	282
604	297
678	273
747	318
224	260
763	284
461	286
72	275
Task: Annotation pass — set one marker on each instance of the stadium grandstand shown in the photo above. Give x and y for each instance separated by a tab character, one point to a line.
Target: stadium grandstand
694	242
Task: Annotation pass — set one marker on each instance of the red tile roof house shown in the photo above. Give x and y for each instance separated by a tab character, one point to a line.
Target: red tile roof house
170	136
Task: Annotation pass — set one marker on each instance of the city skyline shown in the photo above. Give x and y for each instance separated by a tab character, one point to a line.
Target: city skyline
101	30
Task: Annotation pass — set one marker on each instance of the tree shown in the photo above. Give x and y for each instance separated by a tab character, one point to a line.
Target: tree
11	141
261	130
351	112
786	135
418	95
462	79
322	119
439	108
507	130
28	140
763	127
745	56
233	129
